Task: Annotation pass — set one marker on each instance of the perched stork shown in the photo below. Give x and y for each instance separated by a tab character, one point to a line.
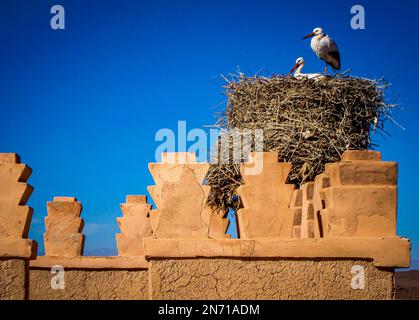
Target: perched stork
298	67
325	48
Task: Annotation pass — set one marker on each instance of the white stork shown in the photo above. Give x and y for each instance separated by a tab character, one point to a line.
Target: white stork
298	67
325	48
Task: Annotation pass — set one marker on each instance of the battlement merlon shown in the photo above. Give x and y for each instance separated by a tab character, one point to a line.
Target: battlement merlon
15	216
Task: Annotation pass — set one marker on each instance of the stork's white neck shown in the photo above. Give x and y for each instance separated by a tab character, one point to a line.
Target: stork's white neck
299	69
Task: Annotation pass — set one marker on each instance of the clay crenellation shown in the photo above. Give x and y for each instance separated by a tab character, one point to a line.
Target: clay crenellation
348	213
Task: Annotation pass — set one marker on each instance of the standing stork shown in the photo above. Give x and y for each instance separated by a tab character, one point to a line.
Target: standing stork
325	48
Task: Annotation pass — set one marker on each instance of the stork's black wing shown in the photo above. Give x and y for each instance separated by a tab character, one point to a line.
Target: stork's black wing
334	54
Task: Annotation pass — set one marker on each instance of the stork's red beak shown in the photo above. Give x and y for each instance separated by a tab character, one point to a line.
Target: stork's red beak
309	35
293	68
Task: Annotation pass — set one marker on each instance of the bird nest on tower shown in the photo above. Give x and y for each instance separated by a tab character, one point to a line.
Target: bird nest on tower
308	122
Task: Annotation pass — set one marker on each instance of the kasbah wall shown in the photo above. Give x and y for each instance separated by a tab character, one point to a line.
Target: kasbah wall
334	238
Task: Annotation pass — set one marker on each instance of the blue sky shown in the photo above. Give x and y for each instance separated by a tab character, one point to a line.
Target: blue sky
82	105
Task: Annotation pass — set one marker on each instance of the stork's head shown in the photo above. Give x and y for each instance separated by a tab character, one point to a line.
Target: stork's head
316	32
299	62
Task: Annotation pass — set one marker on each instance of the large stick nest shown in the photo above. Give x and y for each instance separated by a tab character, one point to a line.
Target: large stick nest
308	122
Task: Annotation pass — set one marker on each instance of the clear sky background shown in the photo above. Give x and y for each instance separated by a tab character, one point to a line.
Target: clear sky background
82	105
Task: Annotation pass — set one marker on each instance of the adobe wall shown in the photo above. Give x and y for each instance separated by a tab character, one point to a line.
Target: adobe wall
295	243
227	278
85	284
91	278
13	279
273	269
